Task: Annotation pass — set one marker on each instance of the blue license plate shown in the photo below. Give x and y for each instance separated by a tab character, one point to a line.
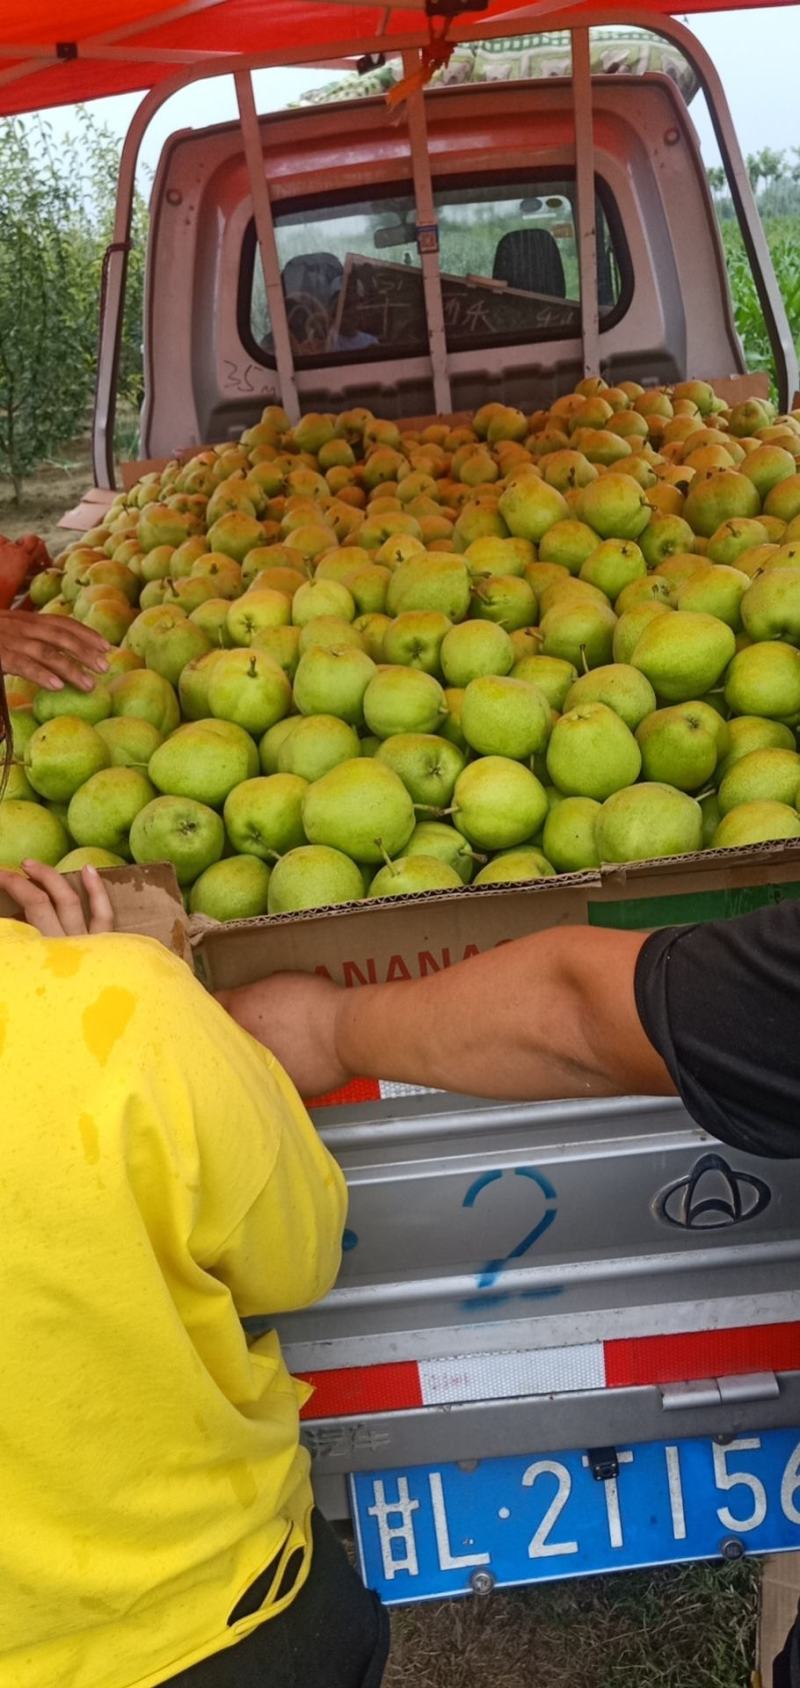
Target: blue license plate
427	1531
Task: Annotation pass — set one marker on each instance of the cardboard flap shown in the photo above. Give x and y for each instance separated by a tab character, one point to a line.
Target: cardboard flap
144	900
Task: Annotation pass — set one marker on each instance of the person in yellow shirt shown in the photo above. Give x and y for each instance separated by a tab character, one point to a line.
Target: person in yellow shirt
160	1181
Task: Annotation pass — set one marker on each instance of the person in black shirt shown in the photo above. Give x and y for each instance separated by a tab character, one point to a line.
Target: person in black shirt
707	1012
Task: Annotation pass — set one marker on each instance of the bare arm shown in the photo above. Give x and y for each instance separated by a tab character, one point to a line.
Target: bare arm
552	1015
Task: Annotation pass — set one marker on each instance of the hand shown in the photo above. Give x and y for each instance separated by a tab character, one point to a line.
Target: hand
50	649
47	902
295	1016
19	561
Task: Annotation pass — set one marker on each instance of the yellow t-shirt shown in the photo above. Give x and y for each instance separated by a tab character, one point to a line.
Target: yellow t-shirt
159	1179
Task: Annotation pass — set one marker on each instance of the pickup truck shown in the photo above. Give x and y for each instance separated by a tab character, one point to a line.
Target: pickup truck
518	1280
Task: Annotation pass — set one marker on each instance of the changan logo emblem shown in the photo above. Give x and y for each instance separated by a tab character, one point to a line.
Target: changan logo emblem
712	1196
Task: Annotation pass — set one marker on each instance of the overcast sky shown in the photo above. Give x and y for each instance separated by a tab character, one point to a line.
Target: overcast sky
741	45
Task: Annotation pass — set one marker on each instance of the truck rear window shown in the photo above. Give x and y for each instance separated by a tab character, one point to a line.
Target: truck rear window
352	277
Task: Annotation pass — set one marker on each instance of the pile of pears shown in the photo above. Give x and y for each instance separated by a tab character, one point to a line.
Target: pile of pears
352	660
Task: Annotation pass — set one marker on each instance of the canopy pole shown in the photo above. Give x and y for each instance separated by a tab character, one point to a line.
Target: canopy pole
267	245
428	240
585	195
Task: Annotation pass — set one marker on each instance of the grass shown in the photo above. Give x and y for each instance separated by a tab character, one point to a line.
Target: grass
686	1626
52	489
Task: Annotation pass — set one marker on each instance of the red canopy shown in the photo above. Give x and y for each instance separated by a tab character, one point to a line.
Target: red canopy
57	54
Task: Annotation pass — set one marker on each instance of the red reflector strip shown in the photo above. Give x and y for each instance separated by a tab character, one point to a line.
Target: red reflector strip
363	1389
714	1353
359	1090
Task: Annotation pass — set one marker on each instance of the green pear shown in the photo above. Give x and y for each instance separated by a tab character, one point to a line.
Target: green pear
61	755
618	685
630	628
88	856
613	565
732	539
768	775
212	618
313	876
473	649
680	568
257	610
592	753
767	466
104	810
493	555
712	815
771	606
677	747
505	717
408	875
718	497
663	537
550	674
648	821
569	839
178	830
654	589
580	632
684	655
568	544
368	588
321	597
427	765
753	732
248	688
504	599
92	706
373	630
498	803
361	808
765	680
435	838
130	742
203	760
263	816
329	632
450	727
529	507
756	823
23	726
30	832
716	590
315	744
334	682
145	696
435	580
515	867
615	506
403	700
193	686
415	639
283	645
270	744
234	889
18	787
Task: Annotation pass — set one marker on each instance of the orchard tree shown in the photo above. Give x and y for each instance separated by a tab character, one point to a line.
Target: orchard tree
56	219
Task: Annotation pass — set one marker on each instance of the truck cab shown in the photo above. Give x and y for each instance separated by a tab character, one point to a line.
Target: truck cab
350	251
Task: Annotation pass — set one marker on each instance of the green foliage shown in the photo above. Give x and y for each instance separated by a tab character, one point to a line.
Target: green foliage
56	219
775	180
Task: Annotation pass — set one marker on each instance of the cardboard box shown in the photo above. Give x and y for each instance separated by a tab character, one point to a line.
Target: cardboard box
402	938
380	941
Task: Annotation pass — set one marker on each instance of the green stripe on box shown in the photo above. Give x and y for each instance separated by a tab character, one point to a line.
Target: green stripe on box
687	908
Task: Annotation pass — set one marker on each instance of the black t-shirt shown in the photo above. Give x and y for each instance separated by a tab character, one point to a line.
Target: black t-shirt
721	1004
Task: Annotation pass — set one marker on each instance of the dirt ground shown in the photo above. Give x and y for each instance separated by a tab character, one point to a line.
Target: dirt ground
684	1627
